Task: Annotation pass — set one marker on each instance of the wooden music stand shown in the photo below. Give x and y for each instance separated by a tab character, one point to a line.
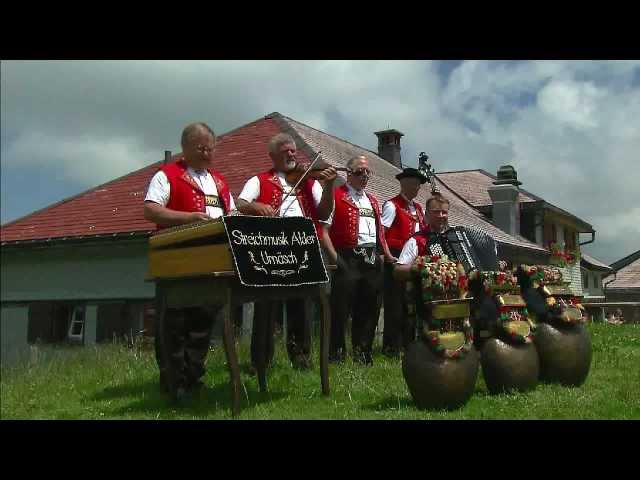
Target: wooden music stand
217	284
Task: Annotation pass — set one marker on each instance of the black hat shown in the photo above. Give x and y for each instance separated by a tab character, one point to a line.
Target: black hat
412	172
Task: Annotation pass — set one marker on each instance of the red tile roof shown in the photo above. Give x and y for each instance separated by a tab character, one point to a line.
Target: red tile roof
117	206
626	278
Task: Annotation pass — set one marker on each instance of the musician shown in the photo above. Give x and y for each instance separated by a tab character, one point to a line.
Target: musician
263	195
185	191
401	218
437	221
484	250
356	243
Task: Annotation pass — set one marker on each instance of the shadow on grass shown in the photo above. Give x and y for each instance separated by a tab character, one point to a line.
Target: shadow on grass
149	399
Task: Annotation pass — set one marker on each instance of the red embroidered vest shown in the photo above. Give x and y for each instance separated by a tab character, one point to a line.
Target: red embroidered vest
404	224
271	194
186	194
346	220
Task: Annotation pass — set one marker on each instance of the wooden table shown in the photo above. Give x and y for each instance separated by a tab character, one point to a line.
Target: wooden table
223	289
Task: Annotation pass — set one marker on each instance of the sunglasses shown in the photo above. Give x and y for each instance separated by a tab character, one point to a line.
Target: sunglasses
204	149
360	173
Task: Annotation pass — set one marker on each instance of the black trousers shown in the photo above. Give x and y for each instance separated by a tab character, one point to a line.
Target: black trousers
182	343
356	291
265	316
399	331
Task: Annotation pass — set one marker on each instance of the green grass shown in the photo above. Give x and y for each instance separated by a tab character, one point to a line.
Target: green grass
113	382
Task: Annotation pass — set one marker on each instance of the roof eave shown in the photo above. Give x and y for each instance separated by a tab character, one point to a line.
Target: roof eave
80	239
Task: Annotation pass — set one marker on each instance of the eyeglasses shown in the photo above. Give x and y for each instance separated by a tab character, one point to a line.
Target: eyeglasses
360	173
204	149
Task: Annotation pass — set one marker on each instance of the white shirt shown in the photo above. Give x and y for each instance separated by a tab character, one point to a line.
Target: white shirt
389	213
291	207
367	226
160	190
409	252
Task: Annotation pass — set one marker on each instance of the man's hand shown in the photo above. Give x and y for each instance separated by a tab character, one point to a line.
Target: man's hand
262	209
328	175
388	258
197	217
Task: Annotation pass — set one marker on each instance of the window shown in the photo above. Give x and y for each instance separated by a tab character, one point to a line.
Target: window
596	281
586	280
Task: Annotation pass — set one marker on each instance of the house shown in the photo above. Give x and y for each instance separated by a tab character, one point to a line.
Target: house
525	215
622	287
77	268
593	271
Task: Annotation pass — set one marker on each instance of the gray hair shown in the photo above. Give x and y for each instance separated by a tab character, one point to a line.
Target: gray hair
193	128
353	160
278	140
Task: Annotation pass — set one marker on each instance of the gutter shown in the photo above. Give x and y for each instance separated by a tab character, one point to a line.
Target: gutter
593	237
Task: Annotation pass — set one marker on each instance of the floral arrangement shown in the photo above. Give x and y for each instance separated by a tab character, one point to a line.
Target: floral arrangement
569	310
542	275
495	280
562	258
516	323
441	278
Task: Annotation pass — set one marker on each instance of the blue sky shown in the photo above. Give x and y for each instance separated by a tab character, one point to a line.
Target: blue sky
570	128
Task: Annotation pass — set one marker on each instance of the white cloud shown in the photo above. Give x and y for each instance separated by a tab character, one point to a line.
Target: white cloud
570	128
87	160
574	103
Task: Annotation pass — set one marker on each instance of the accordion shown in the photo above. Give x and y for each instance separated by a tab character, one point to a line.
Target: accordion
473	248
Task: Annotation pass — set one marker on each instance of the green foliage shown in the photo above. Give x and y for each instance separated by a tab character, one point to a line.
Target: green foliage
116	382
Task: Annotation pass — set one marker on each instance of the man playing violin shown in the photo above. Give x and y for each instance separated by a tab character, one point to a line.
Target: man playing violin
356	243
264	195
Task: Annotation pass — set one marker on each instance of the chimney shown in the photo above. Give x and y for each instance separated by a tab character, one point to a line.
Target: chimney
389	146
504	195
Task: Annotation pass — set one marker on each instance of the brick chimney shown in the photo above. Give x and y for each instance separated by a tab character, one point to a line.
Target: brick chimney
504	195
389	146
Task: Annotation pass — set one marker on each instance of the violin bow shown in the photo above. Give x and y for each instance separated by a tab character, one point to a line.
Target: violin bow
293	189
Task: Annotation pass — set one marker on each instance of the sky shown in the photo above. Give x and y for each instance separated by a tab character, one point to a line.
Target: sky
571	129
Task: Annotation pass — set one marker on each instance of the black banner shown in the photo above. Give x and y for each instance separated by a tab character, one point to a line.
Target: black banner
274	251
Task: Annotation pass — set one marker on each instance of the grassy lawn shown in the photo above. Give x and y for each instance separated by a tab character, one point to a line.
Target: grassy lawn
113	382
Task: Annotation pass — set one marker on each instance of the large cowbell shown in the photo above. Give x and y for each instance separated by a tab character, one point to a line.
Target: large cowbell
509	358
562	341
437	382
441	367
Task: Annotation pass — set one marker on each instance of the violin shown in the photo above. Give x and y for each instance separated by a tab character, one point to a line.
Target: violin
298	173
